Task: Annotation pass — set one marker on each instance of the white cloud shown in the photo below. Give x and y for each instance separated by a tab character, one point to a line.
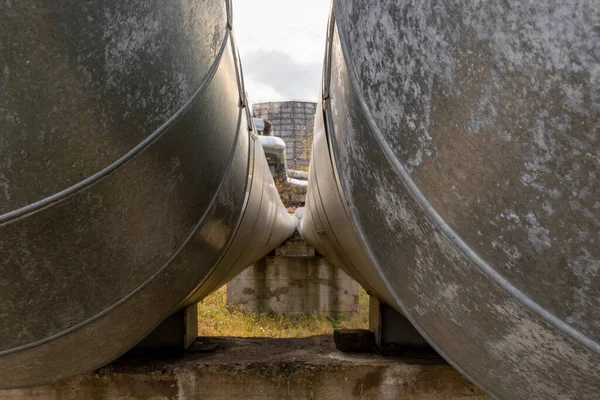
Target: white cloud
290	36
266	92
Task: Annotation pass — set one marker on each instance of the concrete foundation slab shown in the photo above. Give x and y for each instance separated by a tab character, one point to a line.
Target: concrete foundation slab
262	368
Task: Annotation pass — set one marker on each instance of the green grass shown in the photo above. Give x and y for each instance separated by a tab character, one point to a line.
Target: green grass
216	318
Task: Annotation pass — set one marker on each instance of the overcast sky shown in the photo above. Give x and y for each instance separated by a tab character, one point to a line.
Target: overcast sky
281	43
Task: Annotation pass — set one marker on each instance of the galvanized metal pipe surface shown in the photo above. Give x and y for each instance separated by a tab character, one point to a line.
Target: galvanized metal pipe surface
461	142
128	167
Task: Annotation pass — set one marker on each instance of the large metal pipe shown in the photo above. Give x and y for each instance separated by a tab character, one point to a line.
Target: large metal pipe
131	182
455	175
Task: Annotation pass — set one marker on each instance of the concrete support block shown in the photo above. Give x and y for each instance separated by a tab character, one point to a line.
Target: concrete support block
174	335
294	285
396	336
354	340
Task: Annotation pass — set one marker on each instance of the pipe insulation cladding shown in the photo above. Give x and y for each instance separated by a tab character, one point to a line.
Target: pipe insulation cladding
132	182
455	175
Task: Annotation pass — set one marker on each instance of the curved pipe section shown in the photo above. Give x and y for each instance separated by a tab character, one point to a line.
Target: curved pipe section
264	225
129	171
274	147
327	222
448	169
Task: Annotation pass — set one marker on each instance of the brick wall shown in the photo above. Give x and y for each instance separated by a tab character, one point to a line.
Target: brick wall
293	122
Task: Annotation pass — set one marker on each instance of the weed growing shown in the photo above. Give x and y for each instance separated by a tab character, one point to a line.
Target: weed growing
216	318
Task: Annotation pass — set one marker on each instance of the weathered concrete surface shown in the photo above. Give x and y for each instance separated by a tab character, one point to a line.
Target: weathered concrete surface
292	121
263	368
294	285
294	281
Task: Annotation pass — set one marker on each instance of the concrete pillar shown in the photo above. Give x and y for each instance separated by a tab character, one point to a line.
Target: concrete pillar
294	281
294	285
